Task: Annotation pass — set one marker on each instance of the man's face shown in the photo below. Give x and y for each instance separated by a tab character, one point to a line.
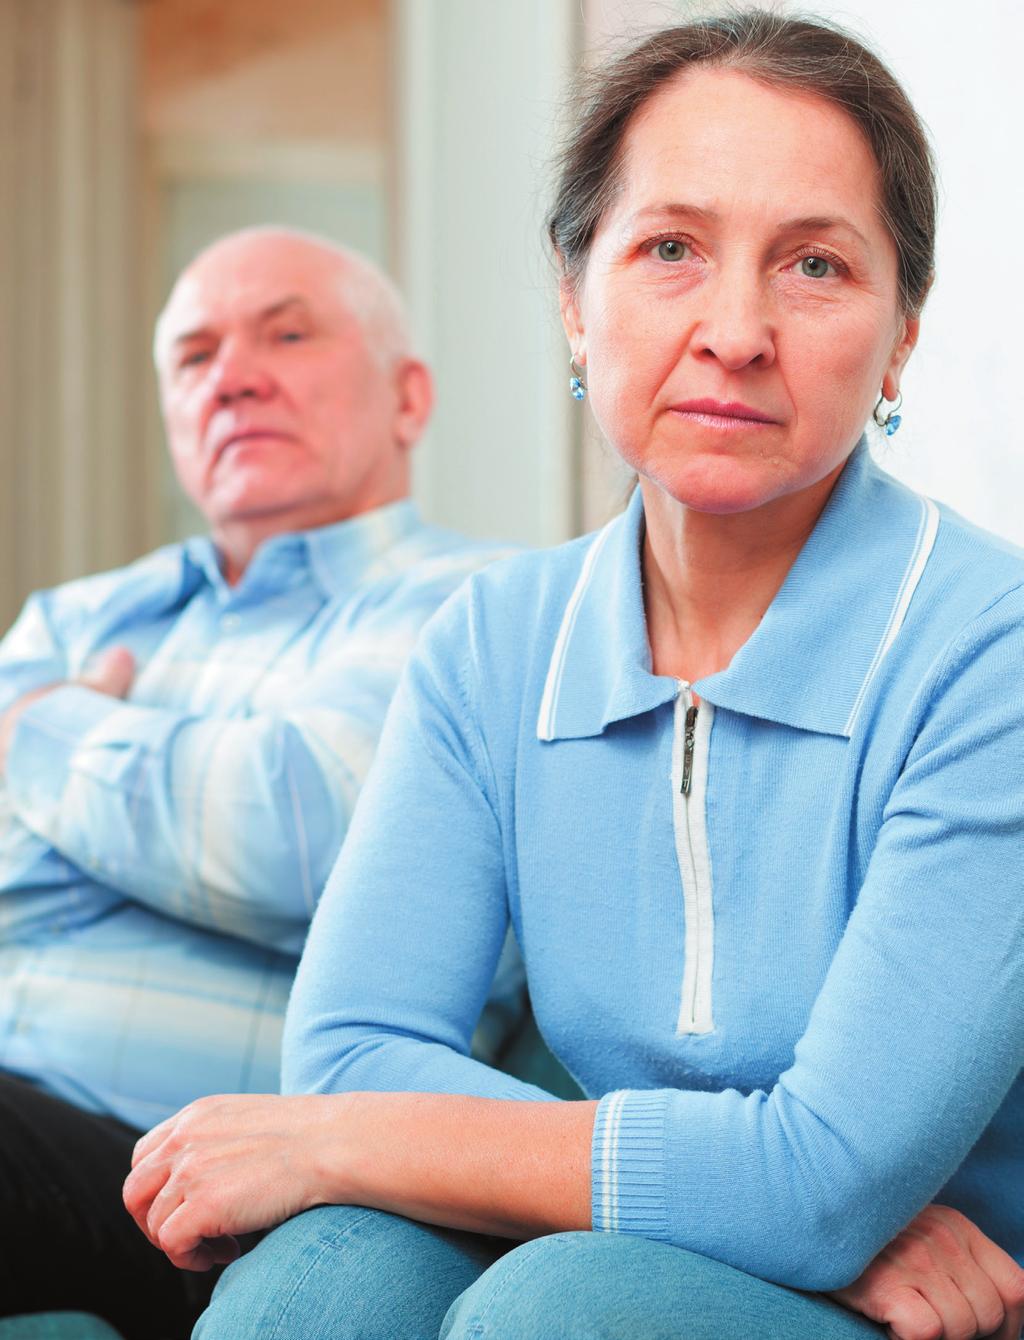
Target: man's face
278	415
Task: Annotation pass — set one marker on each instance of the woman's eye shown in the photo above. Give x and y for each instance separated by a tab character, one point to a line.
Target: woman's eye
815	267
672	249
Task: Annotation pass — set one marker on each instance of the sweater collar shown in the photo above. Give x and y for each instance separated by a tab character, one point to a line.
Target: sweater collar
808	663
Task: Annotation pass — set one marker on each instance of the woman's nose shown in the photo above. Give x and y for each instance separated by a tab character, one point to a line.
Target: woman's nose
736	328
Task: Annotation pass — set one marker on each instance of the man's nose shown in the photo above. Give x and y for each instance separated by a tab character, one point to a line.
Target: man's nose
239	374
737	328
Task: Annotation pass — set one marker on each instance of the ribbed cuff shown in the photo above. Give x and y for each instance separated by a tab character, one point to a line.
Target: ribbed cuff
628	1164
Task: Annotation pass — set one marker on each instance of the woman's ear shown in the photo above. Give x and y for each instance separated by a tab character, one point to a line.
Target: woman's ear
572	322
902	350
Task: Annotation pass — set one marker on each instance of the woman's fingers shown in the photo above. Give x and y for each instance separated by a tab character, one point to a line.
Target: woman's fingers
227	1165
144	1183
936	1244
182	1240
909	1316
888	1298
1007	1278
941	1279
146	1144
161	1208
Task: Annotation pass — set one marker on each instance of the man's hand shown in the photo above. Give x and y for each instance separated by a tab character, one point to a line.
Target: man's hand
111	672
231	1165
940	1279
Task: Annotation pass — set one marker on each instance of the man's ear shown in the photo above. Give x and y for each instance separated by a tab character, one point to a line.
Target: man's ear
572	321
415	388
902	350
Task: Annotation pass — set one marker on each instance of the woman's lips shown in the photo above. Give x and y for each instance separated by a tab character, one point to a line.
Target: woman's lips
725	414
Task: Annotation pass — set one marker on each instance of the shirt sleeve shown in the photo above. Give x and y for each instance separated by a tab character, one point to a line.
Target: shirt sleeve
231	824
405	941
911	1047
30	653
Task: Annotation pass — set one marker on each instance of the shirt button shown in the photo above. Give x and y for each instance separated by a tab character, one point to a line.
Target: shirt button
229	622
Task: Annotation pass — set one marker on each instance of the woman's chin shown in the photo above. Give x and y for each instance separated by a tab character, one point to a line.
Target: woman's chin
722	487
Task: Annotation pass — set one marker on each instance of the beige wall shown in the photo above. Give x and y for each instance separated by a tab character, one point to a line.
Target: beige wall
254	111
75	485
303	70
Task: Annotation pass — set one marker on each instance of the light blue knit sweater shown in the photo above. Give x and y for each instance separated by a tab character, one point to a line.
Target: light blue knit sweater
795	978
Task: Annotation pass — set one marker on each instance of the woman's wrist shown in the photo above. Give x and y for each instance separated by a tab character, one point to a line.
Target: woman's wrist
333	1139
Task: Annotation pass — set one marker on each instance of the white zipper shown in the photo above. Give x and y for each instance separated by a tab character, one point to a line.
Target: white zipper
689	813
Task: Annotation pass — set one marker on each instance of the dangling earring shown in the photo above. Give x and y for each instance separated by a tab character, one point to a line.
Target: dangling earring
891	421
577	386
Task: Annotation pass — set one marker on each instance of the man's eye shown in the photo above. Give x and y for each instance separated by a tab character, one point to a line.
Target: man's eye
196	357
290	336
816	267
671	249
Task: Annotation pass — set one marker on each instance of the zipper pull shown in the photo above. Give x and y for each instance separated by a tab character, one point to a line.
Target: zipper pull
689	737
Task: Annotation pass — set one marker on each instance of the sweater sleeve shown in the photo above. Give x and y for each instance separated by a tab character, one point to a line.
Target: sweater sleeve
31	653
911	1047
405	941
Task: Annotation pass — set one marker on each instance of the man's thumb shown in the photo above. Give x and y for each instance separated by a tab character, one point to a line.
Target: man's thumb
111	672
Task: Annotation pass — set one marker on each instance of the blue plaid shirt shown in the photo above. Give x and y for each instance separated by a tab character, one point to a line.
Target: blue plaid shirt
160	857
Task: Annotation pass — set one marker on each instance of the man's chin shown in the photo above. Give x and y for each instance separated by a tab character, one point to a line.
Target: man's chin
255	507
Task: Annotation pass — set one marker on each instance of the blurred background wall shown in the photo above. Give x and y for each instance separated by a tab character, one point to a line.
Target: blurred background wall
134	131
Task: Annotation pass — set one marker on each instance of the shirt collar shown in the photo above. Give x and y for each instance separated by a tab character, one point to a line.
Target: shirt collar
812	657
339	557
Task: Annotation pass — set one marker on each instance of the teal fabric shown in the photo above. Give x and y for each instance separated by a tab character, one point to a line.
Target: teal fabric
56	1326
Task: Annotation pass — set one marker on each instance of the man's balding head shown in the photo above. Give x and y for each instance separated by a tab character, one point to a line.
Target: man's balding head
290	394
367	292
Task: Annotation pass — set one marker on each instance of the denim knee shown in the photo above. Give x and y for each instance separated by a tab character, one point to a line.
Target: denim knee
523	1295
344	1273
606	1286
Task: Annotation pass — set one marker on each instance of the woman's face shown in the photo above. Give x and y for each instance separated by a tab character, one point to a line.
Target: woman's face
738	314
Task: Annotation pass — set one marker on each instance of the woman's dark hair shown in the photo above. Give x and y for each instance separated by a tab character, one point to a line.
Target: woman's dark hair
803	55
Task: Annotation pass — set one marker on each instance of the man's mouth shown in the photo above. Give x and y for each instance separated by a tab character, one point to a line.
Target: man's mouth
246	435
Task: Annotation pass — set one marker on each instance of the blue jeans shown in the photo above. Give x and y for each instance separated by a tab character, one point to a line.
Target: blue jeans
344	1273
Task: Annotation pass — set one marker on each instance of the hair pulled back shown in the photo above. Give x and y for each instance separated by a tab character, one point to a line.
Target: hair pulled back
809	56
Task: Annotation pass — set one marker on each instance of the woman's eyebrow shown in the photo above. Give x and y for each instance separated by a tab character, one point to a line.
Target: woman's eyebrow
817	223
671	209
822	223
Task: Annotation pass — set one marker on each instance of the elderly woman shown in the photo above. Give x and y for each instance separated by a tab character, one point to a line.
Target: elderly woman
743	770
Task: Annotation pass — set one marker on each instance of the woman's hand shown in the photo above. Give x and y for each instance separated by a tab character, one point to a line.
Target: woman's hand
940	1279
230	1165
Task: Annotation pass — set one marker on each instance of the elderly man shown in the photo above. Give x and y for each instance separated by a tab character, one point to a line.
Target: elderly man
182	743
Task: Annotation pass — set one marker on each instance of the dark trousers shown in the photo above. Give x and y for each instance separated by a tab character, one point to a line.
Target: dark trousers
66	1241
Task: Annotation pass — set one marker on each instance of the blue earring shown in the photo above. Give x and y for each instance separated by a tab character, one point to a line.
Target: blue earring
891	421
577	386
